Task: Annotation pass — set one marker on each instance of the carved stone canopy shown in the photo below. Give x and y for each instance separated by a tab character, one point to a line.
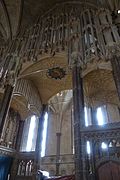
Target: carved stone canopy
17	15
113	50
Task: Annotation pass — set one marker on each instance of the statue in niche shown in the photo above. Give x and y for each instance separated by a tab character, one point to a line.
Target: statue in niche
10	70
14	65
14	68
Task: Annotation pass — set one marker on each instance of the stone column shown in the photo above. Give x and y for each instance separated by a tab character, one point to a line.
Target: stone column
11	69
58	135
111	41
93	116
93	175
14	167
78	110
19	135
4	107
114	57
115	62
39	138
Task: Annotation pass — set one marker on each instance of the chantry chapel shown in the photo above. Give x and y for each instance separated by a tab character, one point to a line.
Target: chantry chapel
60	89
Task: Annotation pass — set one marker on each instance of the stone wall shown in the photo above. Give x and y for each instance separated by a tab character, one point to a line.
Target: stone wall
66	162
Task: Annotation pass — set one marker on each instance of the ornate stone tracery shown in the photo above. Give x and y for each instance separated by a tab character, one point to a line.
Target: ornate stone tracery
10	130
85	35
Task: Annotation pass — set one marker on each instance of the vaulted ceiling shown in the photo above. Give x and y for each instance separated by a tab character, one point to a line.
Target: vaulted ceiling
49	85
18	15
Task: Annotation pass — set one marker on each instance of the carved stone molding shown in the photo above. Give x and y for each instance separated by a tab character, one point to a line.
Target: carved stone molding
76	60
112	50
109	131
10	70
7	151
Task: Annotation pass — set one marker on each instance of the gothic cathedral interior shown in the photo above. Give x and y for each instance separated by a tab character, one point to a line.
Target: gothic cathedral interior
60	89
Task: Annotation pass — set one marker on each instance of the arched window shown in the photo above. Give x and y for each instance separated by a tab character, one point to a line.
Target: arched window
88	147
44	135
29	134
104	146
87	113
102	115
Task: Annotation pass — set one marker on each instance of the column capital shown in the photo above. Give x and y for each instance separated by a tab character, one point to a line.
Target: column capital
76	60
10	79
113	50
58	134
